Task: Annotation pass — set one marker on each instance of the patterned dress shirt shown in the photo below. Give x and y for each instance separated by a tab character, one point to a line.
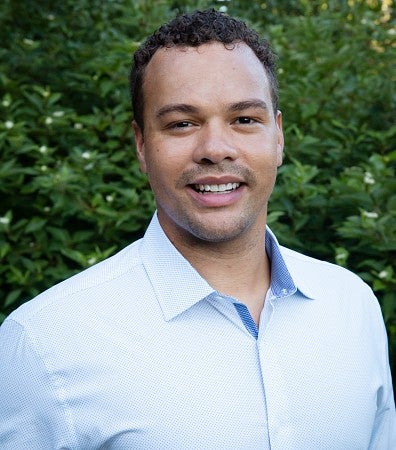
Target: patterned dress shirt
140	352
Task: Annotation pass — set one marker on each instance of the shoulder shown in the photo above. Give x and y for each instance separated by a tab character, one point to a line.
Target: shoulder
336	292
324	279
303	264
297	260
85	287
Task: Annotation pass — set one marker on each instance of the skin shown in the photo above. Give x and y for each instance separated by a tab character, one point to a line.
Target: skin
208	120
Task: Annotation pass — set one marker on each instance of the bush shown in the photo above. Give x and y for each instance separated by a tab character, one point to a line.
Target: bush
71	190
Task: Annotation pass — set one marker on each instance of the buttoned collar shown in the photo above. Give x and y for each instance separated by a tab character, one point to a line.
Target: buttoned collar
178	286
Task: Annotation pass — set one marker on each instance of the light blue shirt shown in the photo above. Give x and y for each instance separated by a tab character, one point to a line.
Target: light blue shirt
139	352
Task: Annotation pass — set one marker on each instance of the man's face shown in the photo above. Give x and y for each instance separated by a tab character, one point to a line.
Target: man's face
211	144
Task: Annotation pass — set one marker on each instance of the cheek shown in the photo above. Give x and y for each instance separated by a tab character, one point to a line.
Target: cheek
264	158
160	171
152	158
167	161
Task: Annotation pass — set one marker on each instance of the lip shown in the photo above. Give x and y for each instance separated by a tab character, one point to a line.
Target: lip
225	179
215	200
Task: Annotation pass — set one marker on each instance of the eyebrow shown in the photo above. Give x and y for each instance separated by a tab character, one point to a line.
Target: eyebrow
190	109
247	104
177	107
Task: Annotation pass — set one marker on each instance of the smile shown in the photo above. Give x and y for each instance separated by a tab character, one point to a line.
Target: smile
216	188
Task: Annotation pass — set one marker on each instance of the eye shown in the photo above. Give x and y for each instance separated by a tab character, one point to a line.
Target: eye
183	124
245	120
179	127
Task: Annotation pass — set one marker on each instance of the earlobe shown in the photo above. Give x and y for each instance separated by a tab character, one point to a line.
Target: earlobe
280	143
140	151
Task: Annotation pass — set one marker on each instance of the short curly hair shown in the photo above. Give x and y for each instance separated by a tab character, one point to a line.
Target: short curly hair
192	30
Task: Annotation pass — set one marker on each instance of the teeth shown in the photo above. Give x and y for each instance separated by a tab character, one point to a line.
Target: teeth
217	187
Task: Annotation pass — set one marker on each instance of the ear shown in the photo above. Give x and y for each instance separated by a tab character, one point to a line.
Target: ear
280	142
140	147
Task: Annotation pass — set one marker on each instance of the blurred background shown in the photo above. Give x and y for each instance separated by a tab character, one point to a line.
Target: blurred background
71	193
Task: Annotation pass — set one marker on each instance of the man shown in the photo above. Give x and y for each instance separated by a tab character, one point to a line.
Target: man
205	334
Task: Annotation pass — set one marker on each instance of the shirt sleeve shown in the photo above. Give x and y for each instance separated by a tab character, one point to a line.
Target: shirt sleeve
384	429
31	415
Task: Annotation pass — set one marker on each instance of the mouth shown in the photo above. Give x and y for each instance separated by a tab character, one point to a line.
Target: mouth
215	188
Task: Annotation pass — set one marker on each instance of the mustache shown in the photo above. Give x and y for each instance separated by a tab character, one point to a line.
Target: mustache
223	168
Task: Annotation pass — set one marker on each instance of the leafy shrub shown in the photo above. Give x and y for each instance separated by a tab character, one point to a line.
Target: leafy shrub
71	191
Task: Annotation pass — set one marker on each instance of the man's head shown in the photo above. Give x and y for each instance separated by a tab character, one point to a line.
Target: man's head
207	130
194	30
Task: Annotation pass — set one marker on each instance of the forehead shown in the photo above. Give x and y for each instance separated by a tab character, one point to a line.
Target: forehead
205	72
214	47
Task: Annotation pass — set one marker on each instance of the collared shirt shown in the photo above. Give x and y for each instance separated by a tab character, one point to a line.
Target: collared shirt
140	352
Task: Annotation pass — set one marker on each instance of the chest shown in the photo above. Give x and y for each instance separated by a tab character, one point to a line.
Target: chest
177	386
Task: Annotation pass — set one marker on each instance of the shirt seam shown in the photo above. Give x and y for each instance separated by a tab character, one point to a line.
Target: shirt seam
69	294
64	406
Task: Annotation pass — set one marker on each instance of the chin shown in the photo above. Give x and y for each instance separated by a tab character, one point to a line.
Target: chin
217	233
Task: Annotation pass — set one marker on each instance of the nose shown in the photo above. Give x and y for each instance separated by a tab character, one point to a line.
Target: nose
215	144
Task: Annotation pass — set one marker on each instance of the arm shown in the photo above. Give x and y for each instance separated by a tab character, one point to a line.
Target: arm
31	414
384	429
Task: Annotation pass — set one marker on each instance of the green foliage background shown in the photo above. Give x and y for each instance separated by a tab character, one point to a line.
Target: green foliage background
70	189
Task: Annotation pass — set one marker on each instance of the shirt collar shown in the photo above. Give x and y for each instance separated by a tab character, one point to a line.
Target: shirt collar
282	284
286	277
176	283
172	275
